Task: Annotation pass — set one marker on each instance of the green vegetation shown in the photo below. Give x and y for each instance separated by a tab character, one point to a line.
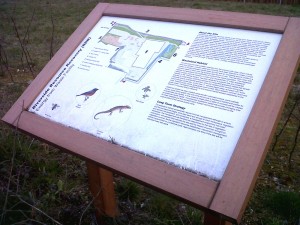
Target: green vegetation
284	204
126	29
172	41
40	184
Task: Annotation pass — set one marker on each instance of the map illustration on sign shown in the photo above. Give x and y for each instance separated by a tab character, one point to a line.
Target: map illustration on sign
137	52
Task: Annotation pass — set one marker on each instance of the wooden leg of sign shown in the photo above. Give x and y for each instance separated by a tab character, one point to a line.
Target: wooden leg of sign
212	219
102	188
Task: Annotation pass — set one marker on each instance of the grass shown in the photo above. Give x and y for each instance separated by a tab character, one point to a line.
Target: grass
40	184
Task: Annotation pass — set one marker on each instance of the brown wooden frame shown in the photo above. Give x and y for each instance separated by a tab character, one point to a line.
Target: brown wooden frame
227	198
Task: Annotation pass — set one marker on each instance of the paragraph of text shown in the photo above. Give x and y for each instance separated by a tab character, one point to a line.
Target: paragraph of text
167	114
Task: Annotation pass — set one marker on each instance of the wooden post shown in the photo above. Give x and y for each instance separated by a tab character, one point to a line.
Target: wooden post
102	188
214	219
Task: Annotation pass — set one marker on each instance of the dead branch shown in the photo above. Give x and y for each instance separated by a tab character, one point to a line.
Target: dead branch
294	145
12	164
37	209
4	62
24	50
277	136
26	36
89	205
52	33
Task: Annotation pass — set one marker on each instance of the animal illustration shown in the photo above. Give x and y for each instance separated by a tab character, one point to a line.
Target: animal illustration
54	106
110	111
146	89
145	96
88	93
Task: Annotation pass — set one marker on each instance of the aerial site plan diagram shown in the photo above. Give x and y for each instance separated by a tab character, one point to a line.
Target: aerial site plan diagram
137	51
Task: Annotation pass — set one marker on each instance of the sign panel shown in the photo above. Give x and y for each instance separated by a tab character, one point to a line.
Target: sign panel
180	93
168	96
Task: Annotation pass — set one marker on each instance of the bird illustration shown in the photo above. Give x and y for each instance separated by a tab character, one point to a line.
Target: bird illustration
88	93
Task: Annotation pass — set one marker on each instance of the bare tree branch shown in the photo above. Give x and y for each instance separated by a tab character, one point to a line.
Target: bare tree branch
277	136
24	50
294	145
26	36
52	33
39	210
4	61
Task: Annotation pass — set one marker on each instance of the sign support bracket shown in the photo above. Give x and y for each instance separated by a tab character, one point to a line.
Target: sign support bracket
102	188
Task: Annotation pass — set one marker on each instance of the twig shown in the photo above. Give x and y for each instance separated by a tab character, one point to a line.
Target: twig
27	222
294	145
26	53
178	213
4	60
9	180
27	35
284	125
11	167
296	135
27	29
37	209
296	116
52	33
90	203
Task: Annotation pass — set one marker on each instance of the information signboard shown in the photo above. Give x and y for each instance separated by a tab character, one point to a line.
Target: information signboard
168	96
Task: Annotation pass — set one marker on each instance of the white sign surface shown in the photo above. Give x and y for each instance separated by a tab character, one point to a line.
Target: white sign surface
180	93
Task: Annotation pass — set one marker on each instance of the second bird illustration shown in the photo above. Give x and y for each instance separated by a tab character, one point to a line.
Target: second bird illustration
88	94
